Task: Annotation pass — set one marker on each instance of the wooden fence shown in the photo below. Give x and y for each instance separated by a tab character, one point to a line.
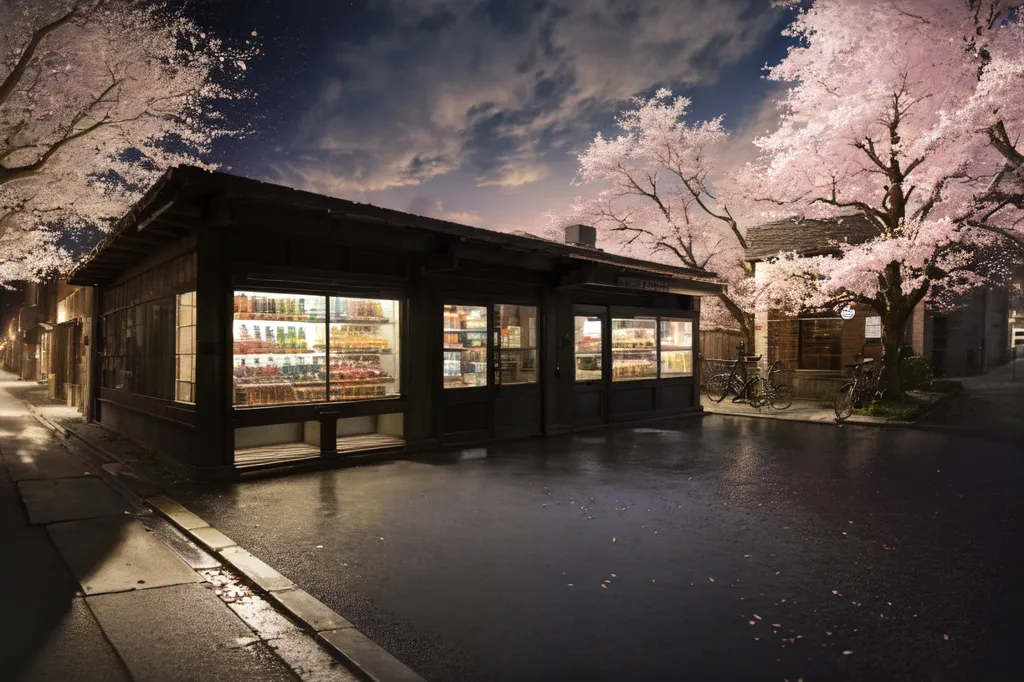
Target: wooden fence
719	343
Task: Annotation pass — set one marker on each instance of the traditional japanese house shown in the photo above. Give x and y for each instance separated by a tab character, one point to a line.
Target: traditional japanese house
819	347
244	325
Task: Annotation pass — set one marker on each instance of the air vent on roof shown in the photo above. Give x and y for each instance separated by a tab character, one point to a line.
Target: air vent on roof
581	235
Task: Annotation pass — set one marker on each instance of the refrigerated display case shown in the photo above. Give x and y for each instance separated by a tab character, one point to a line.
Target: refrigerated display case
516	331
676	339
278	349
283	344
465	346
634	349
588	330
364	348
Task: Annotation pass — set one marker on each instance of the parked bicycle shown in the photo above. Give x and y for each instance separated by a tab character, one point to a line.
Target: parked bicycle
737	383
771	391
860	390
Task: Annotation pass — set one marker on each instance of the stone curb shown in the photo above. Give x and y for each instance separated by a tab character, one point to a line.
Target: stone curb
330	630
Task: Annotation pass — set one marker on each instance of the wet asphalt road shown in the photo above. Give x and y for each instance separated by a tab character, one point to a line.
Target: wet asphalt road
714	549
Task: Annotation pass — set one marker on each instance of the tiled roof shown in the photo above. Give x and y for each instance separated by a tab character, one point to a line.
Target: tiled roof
807	236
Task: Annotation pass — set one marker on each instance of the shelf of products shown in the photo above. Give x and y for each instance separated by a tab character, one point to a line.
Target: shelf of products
465	346
516	327
283	343
634	349
676	338
588	332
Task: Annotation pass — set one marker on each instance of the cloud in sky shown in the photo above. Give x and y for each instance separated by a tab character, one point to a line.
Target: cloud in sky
436	208
502	90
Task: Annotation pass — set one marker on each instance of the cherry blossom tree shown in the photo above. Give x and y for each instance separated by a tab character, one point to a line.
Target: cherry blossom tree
907	112
654	199
97	99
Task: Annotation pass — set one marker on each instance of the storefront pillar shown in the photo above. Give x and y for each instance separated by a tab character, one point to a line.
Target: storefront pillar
215	436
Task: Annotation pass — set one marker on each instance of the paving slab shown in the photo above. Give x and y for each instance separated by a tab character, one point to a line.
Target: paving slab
116	554
67	499
371	660
309	610
183	633
255	570
30	462
75	650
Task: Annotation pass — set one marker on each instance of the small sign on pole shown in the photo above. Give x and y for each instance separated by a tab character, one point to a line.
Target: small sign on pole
847	313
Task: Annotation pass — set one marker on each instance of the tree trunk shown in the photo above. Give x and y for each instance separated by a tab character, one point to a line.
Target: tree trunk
893	327
745	320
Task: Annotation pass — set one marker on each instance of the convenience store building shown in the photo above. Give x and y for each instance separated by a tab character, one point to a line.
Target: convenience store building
242	325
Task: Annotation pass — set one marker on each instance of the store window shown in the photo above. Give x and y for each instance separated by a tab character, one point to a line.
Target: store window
821	343
676	339
284	343
465	346
279	348
634	348
873	328
364	348
185	348
588	347
516	331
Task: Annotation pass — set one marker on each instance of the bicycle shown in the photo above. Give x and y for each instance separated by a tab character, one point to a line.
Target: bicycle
860	390
721	385
772	392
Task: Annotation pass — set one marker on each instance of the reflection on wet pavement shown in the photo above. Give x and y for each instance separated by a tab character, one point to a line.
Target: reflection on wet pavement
715	549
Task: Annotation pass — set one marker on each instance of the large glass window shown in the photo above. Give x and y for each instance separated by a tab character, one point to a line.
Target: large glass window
284	343
588	347
364	348
279	348
676	338
465	346
516	329
185	349
634	348
821	343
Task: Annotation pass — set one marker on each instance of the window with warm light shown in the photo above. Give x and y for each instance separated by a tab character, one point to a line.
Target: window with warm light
676	339
185	348
588	330
516	331
634	348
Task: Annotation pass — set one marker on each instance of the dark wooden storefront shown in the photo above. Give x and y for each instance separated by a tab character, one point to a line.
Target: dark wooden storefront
477	334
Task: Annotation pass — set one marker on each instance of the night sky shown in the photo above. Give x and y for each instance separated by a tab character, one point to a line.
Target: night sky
474	110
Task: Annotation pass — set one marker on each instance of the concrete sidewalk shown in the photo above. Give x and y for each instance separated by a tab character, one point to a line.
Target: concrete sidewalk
991	406
817	411
95	586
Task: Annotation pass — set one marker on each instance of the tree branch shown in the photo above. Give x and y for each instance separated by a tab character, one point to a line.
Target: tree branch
16	74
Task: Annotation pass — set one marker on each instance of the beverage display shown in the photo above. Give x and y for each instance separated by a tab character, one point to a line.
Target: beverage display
634	349
288	348
364	338
588	348
465	346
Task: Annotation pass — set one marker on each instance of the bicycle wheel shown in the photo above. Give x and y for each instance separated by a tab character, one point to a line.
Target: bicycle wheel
759	393
781	397
843	403
718	387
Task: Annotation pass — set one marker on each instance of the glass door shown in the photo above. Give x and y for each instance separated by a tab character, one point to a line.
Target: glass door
465	346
